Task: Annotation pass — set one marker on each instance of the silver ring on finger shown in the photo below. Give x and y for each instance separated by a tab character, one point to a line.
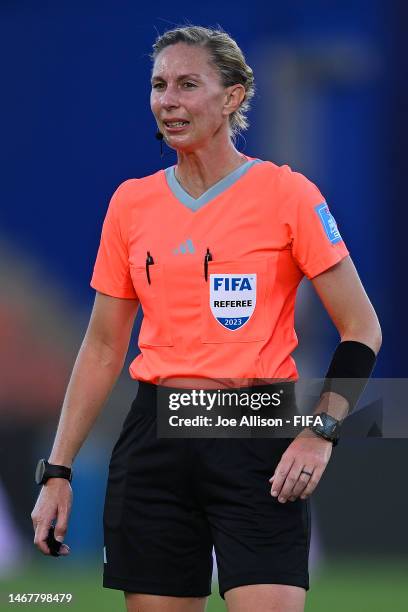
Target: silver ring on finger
306	472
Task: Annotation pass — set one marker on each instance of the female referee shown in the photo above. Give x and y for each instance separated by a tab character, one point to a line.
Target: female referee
213	249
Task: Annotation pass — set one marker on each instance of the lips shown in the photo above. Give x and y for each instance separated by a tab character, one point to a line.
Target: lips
175	123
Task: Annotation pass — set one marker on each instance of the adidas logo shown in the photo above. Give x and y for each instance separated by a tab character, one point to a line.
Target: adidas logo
186	247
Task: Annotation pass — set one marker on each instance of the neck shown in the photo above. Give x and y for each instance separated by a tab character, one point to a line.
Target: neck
199	170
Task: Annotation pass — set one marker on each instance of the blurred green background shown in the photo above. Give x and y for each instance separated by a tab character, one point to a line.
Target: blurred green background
364	585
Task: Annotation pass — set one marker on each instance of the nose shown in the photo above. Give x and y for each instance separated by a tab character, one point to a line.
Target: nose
169	98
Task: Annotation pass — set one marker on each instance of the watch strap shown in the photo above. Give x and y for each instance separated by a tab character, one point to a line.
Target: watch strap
58	471
46	470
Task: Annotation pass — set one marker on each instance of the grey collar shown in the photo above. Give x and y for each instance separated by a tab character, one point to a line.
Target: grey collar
195	204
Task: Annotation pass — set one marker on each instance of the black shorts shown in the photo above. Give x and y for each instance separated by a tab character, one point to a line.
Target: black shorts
169	501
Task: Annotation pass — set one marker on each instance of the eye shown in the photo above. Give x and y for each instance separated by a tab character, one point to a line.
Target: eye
158	85
189	85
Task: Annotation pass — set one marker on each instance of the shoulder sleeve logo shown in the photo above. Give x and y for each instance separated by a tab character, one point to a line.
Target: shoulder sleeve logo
328	222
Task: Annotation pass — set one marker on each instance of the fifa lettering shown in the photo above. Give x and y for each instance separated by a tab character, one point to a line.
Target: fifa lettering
232	284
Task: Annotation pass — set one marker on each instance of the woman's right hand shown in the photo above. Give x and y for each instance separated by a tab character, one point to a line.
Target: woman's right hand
54	502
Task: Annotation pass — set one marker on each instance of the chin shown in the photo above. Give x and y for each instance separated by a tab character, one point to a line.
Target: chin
185	146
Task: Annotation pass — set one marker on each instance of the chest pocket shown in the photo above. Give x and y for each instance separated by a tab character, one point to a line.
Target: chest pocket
233	301
156	328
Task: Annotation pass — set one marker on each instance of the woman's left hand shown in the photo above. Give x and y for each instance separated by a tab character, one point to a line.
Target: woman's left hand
307	453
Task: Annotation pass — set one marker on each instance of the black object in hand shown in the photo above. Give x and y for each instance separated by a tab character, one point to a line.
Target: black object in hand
52	543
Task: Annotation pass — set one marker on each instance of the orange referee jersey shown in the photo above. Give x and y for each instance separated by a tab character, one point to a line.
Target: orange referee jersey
216	276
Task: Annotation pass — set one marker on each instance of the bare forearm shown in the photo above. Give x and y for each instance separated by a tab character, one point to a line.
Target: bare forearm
94	374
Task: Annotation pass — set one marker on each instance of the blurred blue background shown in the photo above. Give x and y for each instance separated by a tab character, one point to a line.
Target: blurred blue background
330	102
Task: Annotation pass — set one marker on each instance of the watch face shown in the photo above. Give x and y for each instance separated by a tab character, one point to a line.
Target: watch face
330	425
328	429
39	472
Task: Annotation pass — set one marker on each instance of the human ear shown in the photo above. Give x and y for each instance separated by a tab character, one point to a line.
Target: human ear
234	96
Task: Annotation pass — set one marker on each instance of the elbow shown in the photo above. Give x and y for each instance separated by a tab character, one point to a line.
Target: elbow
368	333
375	340
107	356
378	339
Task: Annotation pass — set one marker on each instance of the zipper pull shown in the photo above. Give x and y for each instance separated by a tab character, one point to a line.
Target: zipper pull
207	258
149	262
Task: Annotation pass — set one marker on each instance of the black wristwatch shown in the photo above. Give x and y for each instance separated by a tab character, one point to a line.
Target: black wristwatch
329	429
46	470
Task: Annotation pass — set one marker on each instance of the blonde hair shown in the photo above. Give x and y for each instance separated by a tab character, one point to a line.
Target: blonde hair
225	55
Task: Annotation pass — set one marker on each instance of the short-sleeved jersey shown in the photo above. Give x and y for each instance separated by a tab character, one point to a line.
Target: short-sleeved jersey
216	277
